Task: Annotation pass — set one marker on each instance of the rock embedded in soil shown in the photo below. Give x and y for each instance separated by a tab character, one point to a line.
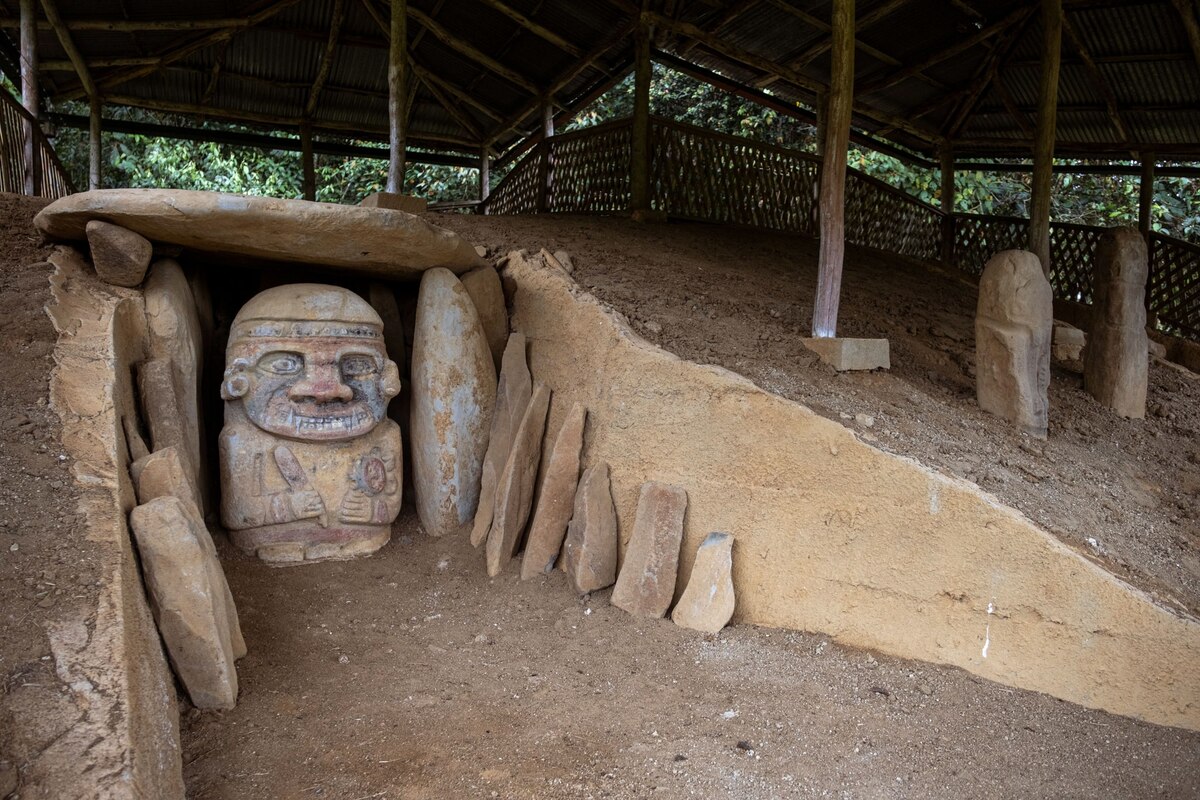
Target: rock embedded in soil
512	398
708	601
557	498
121	257
483	285
590	551
1116	365
379	241
453	397
514	490
646	585
1013	330
189	610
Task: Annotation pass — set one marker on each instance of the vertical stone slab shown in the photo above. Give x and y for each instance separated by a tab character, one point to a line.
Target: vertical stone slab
192	621
590	552
708	601
161	408
514	491
1013	324
646	585
483	285
453	397
176	334
383	300
1116	360
512	398
557	498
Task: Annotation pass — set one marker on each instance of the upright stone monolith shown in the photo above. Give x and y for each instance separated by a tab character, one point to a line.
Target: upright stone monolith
557	497
1013	330
646	585
514	490
512	398
708	601
1116	359
590	552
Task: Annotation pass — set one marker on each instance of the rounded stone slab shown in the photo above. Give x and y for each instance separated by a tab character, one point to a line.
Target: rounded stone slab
453	395
373	240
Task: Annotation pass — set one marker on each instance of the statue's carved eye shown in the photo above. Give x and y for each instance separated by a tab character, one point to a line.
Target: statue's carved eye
357	365
282	363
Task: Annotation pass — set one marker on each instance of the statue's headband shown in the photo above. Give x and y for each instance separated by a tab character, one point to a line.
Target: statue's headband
304	329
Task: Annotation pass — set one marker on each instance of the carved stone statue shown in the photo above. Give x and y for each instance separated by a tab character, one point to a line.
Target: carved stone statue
311	467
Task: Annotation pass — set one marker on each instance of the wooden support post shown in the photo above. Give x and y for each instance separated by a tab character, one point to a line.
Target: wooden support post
947	156
822	111
1146	196
833	172
485	176
307	162
547	117
29	92
639	164
1043	144
397	91
95	145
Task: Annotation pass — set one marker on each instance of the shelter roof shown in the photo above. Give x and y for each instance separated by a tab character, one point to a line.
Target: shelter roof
927	71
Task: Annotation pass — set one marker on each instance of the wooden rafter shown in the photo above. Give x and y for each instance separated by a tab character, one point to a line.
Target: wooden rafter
985	77
824	27
335	28
452	109
470	51
717	45
1106	91
432	79
140	26
55	20
864	22
533	27
182	49
1187	13
214	76
733	10
891	79
1010	106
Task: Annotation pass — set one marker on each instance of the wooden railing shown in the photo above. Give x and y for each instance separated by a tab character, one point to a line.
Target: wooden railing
711	177
49	176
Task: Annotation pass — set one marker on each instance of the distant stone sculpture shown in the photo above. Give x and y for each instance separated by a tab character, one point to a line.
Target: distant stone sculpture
311	468
1013	324
1116	359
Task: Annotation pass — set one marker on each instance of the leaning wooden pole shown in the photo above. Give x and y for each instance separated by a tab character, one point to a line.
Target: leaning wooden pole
832	198
639	165
397	99
485	175
308	162
1146	196
1043	145
95	144
29	92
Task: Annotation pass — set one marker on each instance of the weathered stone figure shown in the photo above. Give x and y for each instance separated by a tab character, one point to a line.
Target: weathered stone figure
1116	359
1013	328
310	464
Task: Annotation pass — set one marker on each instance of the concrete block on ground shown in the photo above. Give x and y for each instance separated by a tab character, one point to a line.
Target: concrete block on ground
396	202
847	355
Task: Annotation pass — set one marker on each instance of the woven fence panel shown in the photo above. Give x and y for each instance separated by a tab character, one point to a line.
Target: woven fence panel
52	180
700	175
1072	259
1174	291
978	238
589	172
884	218
518	192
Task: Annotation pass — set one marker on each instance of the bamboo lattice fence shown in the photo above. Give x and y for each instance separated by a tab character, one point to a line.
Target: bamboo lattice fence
52	180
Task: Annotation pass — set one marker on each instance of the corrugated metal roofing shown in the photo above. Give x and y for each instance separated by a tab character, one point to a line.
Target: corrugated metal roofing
264	73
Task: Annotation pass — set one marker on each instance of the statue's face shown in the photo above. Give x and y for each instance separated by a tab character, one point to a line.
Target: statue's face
322	388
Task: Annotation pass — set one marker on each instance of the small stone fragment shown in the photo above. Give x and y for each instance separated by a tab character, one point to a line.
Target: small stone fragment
133	439
190	614
121	257
557	498
1116	362
512	398
483	285
590	552
161	474
1012	340
708	601
564	258
514	491
646	585
1068	343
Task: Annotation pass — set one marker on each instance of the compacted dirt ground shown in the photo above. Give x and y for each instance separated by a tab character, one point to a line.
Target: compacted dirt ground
412	675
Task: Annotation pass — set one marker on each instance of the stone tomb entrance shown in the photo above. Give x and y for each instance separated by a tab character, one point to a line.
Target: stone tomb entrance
411	674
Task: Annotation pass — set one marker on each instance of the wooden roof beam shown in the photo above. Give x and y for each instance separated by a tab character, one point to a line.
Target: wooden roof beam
470	51
887	81
1187	13
1106	90
987	74
727	15
1010	106
864	22
139	26
533	27
214	76
336	18
68	45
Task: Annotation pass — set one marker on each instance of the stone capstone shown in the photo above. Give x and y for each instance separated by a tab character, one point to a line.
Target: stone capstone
190	610
379	241
483	285
512	398
557	497
1013	323
708	601
646	585
514	490
590	551
1116	360
453	397
120	256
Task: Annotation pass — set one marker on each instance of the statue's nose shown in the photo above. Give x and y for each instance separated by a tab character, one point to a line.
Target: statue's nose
322	383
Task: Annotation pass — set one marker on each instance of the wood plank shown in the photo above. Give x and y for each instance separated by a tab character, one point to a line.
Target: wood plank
397	94
30	99
335	28
1043	146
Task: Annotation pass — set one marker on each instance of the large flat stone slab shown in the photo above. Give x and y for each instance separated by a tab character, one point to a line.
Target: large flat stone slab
453	394
512	397
708	601
590	552
557	498
381	241
514	491
646	584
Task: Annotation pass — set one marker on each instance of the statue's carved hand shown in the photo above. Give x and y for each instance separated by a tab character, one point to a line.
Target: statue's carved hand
307	503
